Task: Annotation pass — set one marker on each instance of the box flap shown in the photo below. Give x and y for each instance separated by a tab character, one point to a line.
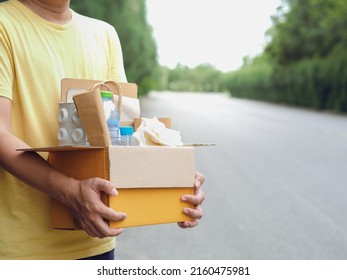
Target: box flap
80	164
199	145
59	148
152	167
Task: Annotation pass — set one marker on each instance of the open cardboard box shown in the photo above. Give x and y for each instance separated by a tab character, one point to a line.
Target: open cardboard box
150	180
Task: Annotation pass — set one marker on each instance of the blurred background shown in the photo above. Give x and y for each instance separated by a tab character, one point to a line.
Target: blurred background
290	52
266	81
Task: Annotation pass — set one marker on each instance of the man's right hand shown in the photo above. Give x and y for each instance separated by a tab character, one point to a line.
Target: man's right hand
90	212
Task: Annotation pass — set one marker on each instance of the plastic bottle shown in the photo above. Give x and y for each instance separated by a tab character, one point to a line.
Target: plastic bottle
112	116
126	136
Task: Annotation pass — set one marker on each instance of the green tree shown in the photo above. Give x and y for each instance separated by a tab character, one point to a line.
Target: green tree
294	33
202	78
139	48
305	61
306	29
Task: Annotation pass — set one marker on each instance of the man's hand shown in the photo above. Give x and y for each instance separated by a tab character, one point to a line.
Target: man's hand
90	212
196	200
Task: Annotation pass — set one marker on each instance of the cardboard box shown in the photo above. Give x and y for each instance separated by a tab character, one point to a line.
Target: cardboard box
150	181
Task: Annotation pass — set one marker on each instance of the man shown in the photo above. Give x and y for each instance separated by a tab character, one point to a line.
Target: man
41	42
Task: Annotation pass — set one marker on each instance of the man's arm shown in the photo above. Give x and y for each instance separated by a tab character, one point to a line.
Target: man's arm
82	197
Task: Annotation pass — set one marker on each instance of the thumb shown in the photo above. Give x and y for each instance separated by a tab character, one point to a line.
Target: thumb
108	187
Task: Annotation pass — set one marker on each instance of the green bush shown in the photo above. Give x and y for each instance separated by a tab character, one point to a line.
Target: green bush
318	83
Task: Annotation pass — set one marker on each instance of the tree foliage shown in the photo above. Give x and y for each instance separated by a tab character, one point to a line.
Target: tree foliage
202	78
130	20
310	28
305	61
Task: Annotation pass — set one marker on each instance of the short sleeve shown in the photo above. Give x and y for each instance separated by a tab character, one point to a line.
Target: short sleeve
6	64
117	66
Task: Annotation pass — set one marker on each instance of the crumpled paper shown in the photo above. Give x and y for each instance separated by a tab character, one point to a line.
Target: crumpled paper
152	132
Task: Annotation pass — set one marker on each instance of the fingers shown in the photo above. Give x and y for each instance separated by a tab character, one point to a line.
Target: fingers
195	199
100	229
96	224
188	224
199	180
195	213
112	215
91	213
107	187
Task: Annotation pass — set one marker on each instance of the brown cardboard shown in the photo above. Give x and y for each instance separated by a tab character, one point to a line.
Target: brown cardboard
151	167
150	181
79	163
125	95
148	206
90	110
67	84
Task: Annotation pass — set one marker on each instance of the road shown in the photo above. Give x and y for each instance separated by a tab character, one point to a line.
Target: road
276	182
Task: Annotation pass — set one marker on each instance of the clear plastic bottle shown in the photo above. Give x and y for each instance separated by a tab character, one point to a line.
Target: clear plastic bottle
112	116
126	136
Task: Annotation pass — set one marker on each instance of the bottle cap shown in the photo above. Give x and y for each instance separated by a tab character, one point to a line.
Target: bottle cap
106	94
126	130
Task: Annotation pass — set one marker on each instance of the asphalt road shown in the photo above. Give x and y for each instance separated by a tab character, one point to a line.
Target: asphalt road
276	182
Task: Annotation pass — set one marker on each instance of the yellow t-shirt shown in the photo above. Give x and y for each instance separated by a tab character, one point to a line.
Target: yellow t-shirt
35	55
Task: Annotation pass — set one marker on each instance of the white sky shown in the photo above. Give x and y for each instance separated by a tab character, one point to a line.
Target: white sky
219	32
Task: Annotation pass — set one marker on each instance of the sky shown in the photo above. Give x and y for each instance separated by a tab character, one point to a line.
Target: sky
218	32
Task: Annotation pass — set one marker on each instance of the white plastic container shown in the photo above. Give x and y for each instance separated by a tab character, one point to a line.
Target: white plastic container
70	130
